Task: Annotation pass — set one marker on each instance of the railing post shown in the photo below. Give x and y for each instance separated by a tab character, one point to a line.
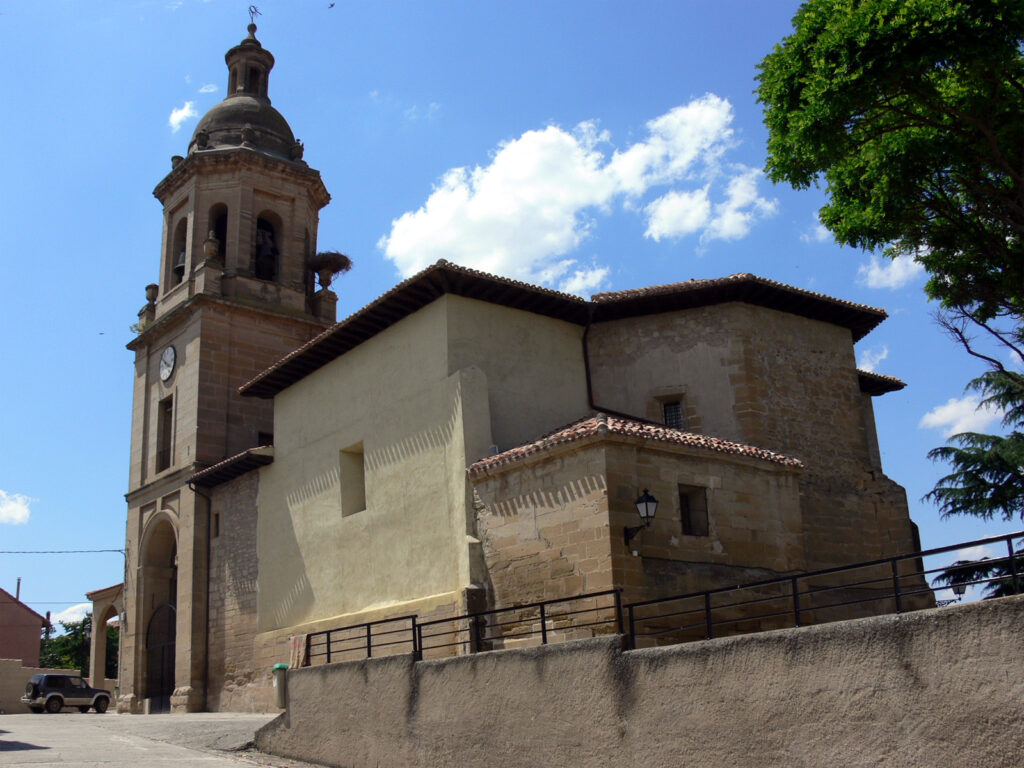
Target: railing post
707	614
474	635
896	586
1013	565
543	626
369	641
417	654
796	602
328	633
618	609
418	632
631	637
309	649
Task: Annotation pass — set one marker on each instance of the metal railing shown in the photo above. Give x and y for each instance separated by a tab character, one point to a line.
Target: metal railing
363	641
887	585
544	622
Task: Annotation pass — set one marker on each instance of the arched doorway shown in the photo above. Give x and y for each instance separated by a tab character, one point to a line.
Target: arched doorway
160	590
160	657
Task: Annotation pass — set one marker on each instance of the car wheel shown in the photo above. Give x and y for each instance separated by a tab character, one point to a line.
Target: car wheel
37	710
101	704
54	705
83	709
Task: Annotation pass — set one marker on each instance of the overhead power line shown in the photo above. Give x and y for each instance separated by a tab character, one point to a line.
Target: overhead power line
55	551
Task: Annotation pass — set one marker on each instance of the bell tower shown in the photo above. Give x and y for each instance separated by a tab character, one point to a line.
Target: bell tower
235	293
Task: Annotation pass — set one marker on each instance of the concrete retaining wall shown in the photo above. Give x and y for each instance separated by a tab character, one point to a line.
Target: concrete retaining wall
937	688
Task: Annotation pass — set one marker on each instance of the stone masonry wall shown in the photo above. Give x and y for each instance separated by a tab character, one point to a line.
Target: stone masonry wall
753	514
774	380
930	689
544	528
233	572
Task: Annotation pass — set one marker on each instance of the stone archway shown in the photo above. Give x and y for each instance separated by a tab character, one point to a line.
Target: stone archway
107	604
160	600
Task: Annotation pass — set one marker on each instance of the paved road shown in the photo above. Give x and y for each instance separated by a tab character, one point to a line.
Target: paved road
210	740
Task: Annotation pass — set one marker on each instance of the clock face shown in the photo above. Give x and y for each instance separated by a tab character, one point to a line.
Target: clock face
167	359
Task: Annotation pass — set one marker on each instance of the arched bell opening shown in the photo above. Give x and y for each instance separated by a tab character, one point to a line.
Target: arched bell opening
218	220
160	595
266	254
177	256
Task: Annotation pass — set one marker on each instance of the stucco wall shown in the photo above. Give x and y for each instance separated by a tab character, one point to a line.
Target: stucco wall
395	397
533	364
934	688
20	628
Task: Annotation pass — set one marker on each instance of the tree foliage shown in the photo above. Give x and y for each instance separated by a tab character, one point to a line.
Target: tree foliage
71	649
912	111
988	470
997	577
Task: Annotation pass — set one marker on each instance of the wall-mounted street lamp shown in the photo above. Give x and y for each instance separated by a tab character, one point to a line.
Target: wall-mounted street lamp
958	587
646	506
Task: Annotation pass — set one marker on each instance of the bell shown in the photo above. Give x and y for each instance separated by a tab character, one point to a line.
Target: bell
179	266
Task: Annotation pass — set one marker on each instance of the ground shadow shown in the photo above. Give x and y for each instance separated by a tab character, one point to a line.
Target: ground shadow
18	746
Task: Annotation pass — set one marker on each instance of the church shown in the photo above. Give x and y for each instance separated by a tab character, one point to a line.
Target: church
463	442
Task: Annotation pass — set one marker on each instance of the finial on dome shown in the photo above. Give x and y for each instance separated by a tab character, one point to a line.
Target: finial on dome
253	13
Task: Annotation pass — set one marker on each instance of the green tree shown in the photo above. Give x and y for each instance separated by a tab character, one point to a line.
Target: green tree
71	649
912	114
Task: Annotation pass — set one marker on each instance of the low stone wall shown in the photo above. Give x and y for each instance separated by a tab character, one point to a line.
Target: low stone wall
936	688
13	678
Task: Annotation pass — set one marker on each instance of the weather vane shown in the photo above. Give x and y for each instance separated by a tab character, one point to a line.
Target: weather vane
253	13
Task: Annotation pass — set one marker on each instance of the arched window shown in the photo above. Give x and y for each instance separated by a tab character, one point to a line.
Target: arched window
219	226
177	254
266	251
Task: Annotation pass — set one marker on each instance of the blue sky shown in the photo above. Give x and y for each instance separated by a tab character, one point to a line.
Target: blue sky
583	145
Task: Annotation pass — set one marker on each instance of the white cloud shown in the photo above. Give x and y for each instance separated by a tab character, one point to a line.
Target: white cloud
209	88
816	234
677	214
870	358
889	273
742	206
181	114
14	508
958	415
414	113
541	194
74	613
585	281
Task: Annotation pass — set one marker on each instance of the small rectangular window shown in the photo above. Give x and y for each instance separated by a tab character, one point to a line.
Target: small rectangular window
164	433
693	510
353	480
264	438
216	524
672	413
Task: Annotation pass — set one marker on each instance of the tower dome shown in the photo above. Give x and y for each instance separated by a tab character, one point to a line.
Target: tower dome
245	118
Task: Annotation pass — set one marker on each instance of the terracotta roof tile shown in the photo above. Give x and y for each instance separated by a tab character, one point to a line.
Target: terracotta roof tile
872	383
603	424
234	466
441	278
693	285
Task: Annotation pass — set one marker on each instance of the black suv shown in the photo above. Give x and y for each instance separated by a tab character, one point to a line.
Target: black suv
53	692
